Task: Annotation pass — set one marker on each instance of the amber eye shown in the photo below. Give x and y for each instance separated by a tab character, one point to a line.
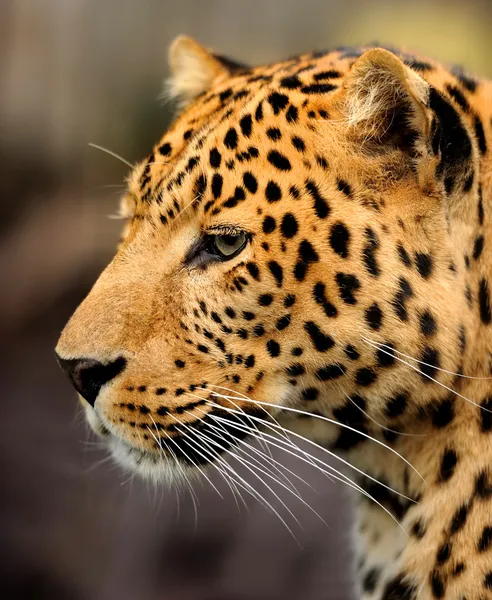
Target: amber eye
227	246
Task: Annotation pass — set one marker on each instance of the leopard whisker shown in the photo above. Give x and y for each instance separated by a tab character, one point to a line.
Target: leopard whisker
225	475
421	362
282	433
242	482
186	438
92	445
269	488
193	495
189	459
338	477
111	153
243	462
268	457
294	493
159	442
279	431
97	464
266	448
130	479
380	424
232	483
206	440
332	421
227	479
323	449
431	378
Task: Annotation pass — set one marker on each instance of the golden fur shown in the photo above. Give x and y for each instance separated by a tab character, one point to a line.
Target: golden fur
363	181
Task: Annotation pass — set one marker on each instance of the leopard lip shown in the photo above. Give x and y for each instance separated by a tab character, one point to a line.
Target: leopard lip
94	420
178	447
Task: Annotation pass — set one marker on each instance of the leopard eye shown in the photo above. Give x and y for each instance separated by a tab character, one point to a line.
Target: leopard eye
227	246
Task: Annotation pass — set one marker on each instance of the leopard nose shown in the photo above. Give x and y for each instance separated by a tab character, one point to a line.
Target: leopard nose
88	375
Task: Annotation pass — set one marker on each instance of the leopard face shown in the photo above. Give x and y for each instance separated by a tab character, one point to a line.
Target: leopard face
290	243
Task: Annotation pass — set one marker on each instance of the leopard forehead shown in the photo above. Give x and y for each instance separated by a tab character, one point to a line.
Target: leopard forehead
283	124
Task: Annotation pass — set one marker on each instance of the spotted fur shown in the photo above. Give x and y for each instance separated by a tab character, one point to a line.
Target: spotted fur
361	180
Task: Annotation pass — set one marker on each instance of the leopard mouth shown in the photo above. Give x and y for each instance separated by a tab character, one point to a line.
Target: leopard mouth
189	448
154	464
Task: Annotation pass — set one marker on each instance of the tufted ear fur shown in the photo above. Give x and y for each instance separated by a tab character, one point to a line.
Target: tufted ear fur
194	69
385	101
389	106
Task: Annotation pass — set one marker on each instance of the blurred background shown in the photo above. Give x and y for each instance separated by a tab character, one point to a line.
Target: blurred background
73	72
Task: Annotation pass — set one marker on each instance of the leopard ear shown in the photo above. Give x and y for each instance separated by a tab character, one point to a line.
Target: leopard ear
385	101
194	69
389	106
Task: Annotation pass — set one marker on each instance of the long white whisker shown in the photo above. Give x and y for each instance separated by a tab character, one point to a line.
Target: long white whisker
247	487
269	457
194	498
328	420
421	362
278	431
224	471
94	445
159	442
178	505
229	480
259	469
431	378
194	463
271	490
194	445
380	424
266	457
111	153
345	462
241	395
224	474
99	463
186	438
219	470
267	449
294	493
338	476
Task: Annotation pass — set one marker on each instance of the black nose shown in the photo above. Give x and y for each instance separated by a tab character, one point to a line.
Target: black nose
88	375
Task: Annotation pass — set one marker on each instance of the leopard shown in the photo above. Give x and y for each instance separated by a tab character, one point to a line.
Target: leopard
307	249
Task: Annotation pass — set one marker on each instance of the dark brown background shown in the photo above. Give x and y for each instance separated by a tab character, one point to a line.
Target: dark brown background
80	71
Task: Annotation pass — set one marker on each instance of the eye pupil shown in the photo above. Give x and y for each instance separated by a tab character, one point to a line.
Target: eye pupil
228	240
227	246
